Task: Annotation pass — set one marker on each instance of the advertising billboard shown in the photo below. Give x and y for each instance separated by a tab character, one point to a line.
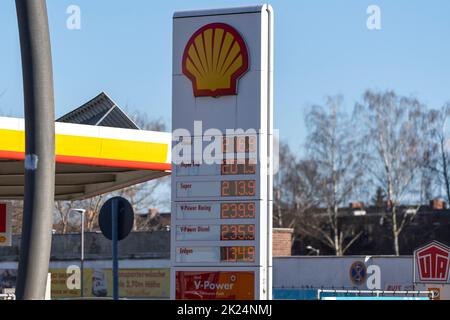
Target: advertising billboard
210	285
5	224
133	283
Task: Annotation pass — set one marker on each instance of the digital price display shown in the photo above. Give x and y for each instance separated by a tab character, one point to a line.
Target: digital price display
237	232
237	254
225	232
240	144
214	254
235	168
238	210
238	188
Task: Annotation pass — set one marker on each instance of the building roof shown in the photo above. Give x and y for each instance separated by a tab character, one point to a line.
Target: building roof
377	211
100	111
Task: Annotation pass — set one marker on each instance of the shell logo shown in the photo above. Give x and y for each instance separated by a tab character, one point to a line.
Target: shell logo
214	59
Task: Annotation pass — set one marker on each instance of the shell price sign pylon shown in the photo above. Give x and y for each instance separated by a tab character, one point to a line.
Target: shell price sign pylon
222	122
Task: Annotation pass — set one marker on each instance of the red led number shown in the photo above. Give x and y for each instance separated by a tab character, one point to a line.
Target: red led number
236	168
238	254
237	232
238	188
239	144
240	210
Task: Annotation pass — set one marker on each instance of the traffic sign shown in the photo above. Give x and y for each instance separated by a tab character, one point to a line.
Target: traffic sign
125	218
116	220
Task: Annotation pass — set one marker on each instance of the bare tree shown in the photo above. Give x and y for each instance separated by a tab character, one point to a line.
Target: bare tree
295	188
396	131
145	123
66	220
335	152
322	181
438	158
92	207
62	213
17	216
281	180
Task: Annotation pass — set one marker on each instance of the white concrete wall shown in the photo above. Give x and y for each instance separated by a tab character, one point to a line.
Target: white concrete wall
329	272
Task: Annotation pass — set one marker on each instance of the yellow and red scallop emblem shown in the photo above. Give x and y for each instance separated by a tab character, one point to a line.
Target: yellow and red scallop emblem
214	59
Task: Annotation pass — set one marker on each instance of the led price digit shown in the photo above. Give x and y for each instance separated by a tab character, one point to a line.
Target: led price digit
235	167
237	254
238	210
243	232
238	188
239	144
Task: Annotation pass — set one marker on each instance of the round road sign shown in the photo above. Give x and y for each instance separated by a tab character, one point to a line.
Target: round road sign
125	217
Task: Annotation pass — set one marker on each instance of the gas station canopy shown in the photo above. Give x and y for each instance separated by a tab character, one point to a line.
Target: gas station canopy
90	160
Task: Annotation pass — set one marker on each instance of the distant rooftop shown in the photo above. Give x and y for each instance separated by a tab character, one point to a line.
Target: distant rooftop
100	111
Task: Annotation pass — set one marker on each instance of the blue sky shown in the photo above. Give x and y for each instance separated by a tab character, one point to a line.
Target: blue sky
322	47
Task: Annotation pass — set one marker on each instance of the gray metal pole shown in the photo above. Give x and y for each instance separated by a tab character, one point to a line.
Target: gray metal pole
39	149
82	253
115	216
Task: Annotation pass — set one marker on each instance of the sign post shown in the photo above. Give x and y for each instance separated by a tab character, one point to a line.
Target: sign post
222	154
116	221
114	251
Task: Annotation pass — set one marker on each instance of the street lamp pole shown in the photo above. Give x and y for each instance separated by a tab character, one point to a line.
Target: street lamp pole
82	253
317	251
39	174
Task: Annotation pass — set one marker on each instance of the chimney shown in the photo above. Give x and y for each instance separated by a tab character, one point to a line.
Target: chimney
282	242
437	204
389	204
356	205
152	212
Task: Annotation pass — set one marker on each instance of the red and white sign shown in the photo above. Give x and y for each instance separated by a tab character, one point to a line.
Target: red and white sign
5	224
432	262
223	285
